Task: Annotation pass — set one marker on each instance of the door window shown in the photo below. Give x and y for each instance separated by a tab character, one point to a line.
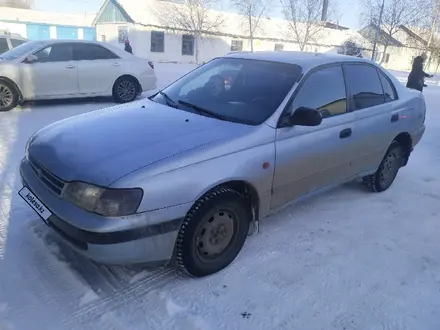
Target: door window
388	88
3	45
323	90
365	86
90	52
55	53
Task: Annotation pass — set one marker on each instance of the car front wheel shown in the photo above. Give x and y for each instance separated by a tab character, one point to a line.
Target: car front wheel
388	169
213	232
8	96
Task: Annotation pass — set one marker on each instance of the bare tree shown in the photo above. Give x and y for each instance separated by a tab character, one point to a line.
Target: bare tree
304	20
396	14
21	4
252	11
192	16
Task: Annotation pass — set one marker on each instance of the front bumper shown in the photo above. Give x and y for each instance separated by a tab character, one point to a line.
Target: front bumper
139	238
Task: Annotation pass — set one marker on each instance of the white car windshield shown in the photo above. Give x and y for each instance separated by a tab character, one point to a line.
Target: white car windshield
21	50
247	91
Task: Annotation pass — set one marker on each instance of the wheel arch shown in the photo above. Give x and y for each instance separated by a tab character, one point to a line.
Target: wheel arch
20	94
127	75
405	140
246	189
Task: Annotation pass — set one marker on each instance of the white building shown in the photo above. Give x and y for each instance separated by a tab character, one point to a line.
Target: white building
35	25
145	24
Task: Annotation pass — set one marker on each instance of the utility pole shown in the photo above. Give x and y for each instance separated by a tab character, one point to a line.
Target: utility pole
376	37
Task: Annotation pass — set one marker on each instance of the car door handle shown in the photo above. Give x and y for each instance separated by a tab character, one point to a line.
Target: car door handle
345	133
70	67
395	118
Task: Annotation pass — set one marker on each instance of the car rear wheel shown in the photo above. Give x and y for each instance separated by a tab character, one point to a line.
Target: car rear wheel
213	232
388	169
8	96
125	90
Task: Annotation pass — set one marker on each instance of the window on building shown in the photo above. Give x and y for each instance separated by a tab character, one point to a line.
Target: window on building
102	38
331	99
367	92
157	41
386	58
388	88
236	45
187	44
90	52
279	47
16	42
3	45
122	34
55	53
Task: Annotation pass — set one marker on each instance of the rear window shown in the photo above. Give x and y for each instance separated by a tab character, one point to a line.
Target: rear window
240	90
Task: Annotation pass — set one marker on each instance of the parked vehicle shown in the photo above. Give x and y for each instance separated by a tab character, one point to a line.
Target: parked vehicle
9	41
59	69
187	174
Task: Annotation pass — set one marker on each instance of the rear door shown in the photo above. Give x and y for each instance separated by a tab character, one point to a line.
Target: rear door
374	114
310	158
98	68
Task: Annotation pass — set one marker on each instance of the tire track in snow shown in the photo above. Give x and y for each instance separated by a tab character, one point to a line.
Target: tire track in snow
123	300
56	285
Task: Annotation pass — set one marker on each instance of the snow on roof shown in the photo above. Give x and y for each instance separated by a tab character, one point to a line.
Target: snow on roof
45	17
149	12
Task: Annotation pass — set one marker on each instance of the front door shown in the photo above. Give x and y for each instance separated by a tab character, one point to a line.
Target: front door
310	158
52	74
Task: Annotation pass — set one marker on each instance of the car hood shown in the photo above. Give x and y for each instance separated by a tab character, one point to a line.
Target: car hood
102	146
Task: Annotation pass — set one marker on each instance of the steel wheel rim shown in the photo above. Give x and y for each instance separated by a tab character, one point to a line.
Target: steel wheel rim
389	168
216	234
126	90
6	96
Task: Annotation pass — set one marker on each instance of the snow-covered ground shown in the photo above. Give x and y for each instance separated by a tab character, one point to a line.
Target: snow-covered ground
345	259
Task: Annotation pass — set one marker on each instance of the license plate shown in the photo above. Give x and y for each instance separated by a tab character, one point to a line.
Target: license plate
35	203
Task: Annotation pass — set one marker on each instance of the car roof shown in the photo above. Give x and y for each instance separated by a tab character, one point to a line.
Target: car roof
306	60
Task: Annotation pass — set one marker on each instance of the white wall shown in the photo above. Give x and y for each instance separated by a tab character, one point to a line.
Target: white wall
18	28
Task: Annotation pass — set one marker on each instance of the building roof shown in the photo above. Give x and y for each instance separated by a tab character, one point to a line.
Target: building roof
156	13
45	17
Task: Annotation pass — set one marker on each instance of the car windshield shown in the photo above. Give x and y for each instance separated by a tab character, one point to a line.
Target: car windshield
240	90
21	50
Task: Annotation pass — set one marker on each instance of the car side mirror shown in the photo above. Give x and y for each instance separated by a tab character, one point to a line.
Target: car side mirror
31	58
304	116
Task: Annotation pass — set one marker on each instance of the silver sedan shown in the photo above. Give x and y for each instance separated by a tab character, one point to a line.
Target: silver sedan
186	175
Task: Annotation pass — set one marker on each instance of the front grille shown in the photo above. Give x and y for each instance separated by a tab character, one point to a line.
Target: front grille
48	179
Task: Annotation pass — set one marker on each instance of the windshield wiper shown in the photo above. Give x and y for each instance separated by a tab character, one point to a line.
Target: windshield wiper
202	111
169	101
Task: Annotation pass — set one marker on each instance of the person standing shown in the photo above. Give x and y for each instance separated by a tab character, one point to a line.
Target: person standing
128	46
416	78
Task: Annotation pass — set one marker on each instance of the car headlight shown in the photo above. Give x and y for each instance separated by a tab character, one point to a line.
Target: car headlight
105	201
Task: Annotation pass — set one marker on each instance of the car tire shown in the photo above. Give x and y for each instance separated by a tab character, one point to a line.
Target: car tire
388	169
125	90
213	232
8	96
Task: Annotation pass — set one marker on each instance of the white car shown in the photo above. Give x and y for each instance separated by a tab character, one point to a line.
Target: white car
9	41
59	69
